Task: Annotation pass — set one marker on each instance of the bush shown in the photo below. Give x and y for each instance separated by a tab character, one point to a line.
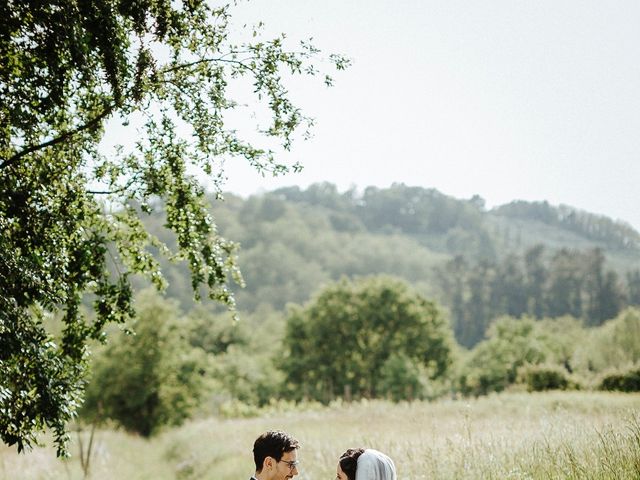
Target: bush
542	377
493	364
149	379
615	344
624	381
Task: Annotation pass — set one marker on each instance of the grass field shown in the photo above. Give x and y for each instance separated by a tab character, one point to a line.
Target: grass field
576	435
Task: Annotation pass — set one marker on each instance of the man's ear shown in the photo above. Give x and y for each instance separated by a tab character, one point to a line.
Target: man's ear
268	463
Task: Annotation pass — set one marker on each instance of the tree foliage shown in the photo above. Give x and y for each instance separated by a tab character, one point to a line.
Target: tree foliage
493	364
553	353
70	213
615	344
295	240
542	377
353	335
149	379
595	227
569	282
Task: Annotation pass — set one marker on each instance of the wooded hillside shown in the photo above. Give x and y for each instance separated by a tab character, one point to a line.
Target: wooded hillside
519	258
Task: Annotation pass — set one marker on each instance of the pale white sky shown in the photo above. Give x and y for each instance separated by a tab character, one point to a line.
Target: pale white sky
532	100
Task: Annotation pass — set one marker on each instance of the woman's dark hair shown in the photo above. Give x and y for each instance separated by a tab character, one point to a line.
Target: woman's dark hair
349	462
274	444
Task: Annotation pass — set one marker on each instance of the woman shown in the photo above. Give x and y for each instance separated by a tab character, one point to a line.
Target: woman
361	464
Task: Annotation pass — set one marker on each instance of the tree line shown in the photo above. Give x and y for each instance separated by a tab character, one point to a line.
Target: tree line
372	337
538	283
594	227
293	240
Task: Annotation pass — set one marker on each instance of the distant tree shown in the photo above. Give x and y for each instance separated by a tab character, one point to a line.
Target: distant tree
244	369
416	210
539	211
594	284
400	378
386	209
276	273
616	343
612	298
479	308
344	340
571	283
214	334
452	283
535	280
565	287
563	336
70	214
151	378
476	294
618	235
604	294
493	364
633	287
509	292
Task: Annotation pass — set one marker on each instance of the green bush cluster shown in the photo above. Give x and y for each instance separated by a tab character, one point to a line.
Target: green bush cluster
369	338
174	366
493	364
149	378
552	354
542	377
622	380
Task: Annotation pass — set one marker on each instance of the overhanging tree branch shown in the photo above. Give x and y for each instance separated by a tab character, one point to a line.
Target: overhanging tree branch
69	61
132	181
34	148
210	60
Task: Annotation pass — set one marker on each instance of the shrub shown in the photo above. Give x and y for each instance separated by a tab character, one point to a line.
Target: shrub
542	377
149	379
493	364
622	380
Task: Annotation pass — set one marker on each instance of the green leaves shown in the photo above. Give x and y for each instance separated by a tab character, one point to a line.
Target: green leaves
353	336
70	226
163	379
39	384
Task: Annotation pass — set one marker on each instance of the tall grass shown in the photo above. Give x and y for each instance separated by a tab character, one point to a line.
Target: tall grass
558	435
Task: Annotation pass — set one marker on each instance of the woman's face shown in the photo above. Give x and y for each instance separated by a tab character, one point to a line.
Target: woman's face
340	475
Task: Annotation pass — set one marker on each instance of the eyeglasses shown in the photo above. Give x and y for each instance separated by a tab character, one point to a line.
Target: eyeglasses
292	465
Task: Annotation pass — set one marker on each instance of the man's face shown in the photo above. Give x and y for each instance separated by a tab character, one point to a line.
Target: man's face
284	469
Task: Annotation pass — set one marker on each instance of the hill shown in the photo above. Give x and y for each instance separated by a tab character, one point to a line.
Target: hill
293	241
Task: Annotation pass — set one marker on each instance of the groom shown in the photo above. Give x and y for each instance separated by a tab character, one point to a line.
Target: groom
275	455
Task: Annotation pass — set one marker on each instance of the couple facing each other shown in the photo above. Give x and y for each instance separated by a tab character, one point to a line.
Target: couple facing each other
276	458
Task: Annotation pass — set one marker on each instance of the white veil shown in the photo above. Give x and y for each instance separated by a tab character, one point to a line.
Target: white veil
375	465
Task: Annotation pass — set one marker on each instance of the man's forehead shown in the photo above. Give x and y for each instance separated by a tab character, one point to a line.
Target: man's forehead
290	456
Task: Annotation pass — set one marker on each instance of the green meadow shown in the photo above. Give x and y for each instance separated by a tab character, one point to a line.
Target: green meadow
514	435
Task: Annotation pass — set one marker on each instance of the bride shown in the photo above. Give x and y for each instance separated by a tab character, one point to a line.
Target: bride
365	464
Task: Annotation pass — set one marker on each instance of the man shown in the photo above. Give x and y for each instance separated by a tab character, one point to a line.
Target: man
276	457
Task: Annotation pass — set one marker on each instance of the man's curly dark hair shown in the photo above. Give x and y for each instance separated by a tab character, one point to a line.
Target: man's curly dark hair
274	444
